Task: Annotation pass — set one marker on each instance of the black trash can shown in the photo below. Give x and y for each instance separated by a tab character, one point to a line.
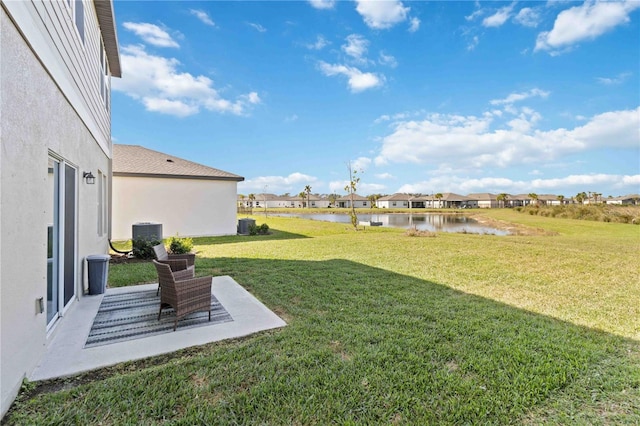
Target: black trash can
244	225
98	269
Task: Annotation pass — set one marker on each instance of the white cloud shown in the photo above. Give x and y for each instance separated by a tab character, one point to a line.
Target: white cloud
319	44
257	27
385	176
381	15
156	82
166	106
498	18
477	143
387	60
202	16
475	14
361	164
517	97
356	47
291	118
473	43
323	4
364	188
277	184
414	25
528	17
620	78
572	183
585	22
151	34
358	80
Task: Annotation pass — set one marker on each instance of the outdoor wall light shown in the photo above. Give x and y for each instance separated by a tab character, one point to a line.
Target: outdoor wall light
40	305
89	177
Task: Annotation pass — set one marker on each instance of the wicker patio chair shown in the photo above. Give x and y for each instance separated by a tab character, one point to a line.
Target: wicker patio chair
182	265
184	296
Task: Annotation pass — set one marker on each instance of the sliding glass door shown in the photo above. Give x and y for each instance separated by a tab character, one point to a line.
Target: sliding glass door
61	237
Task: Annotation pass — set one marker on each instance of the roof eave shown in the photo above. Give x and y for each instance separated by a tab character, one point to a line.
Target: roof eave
107	23
165	176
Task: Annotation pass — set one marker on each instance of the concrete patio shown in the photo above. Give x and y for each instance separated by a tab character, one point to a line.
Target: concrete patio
66	355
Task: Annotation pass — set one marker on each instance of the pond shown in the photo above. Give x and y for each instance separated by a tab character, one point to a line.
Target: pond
434	222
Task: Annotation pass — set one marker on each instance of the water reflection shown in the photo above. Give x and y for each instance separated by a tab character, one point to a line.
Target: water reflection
434	222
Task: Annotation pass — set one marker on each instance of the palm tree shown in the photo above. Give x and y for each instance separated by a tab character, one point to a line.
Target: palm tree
439	197
561	199
252	198
534	198
332	199
373	199
307	189
597	195
302	195
580	197
502	199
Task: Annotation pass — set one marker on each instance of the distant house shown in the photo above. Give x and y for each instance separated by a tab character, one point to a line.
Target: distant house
57	59
548	200
314	201
626	200
452	201
262	200
485	200
187	198
520	200
397	200
359	202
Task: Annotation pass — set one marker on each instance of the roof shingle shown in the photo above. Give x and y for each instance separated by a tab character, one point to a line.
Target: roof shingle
135	160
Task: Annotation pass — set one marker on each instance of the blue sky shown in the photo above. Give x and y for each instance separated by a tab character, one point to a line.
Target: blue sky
420	97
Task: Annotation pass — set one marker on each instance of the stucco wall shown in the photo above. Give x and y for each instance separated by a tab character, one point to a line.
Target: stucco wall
35	118
188	207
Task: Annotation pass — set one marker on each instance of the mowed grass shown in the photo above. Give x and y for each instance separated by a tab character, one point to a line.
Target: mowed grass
389	329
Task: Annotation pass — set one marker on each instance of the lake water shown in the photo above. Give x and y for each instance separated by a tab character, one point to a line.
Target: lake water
434	222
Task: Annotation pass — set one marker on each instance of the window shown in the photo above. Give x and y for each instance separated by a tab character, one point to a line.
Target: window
76	8
78	17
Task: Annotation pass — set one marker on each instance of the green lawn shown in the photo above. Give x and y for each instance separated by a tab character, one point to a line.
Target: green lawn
390	329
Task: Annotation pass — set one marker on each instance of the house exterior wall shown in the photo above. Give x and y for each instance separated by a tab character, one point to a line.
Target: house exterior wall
43	112
389	204
188	207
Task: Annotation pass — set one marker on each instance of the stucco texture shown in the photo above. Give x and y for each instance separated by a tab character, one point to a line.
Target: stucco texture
35	120
184	207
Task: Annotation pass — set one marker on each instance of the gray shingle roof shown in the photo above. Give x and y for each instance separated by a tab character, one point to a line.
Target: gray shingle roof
135	160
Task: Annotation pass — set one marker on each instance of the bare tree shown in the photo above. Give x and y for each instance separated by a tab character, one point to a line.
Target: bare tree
351	190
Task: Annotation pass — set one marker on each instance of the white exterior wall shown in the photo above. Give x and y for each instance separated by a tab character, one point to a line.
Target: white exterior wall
188	207
48	103
487	204
390	204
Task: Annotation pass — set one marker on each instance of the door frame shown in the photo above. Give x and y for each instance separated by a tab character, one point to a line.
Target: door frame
59	230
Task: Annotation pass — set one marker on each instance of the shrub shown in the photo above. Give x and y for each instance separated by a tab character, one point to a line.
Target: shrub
258	230
142	248
414	232
179	245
